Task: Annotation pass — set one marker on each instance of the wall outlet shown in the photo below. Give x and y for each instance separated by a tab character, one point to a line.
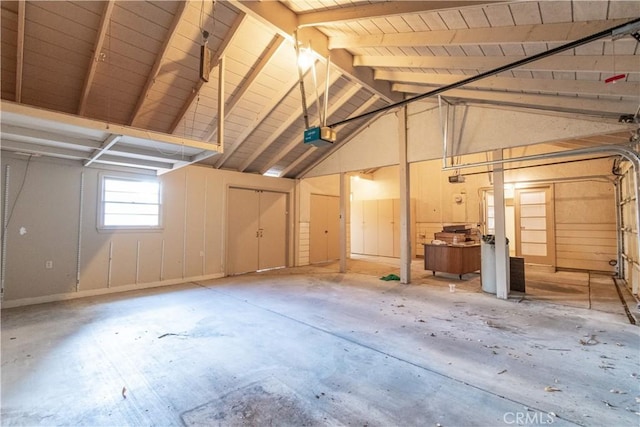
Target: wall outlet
48	264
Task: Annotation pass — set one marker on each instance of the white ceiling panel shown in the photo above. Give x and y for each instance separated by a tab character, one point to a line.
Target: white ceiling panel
556	11
525	13
499	16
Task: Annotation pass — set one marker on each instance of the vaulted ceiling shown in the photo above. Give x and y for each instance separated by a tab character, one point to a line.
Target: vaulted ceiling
136	65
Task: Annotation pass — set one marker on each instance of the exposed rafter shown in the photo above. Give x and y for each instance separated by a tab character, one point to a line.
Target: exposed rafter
336	104
233	30
380	10
260	102
44	150
160	59
586	63
581	87
37	136
297	161
137	163
284	21
20	48
283	127
520	34
95	55
568	104
266	57
275	100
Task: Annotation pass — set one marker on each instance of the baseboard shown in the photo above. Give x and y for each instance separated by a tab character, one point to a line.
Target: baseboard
103	291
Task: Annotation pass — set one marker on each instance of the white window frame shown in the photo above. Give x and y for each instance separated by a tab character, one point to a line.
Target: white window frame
132	179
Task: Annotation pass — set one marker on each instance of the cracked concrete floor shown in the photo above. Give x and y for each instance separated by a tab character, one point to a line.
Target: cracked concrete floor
310	346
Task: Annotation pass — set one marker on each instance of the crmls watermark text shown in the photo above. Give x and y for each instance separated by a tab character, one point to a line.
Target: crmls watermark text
528	418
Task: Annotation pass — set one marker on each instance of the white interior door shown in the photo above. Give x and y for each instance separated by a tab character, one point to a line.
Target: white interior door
370	227
333	227
243	223
257	230
357	227
324	228
385	227
318	229
272	230
534	225
396	227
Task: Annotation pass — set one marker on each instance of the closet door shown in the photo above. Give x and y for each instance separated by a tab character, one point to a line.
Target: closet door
324	228
333	228
272	230
385	227
257	230
370	227
396	226
357	227
243	213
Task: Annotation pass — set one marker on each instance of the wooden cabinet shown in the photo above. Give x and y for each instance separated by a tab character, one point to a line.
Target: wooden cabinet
458	259
375	227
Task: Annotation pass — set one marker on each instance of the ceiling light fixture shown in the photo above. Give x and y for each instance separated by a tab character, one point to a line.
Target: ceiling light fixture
305	58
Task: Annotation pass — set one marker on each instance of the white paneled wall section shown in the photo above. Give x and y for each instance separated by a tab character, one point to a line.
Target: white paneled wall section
44	198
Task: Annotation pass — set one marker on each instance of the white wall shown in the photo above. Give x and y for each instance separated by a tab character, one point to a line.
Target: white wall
473	129
585	210
48	208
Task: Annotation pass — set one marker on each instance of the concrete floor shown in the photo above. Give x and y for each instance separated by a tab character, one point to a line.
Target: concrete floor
309	346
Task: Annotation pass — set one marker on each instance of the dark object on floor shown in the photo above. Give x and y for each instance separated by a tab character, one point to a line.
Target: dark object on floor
390	277
516	274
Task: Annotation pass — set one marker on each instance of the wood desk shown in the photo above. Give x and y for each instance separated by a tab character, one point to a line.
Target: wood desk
454	259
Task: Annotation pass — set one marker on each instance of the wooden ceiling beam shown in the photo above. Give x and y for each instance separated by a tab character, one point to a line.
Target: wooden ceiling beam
158	164
583	63
520	34
567	87
266	57
557	103
380	10
285	22
43	150
160	59
286	88
284	126
233	30
20	49
95	55
297	140
297	161
37	136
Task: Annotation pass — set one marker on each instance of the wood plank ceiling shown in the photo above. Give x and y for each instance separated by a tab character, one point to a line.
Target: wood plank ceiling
136	63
